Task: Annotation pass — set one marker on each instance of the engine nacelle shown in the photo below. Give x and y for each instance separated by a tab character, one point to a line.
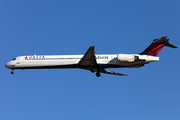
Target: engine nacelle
127	58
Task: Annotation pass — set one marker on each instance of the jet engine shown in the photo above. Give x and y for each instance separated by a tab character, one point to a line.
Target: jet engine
127	58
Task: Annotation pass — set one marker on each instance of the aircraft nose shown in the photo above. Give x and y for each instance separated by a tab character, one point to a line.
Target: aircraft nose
7	65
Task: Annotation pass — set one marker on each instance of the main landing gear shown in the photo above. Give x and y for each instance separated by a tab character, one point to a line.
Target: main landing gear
98	74
12	72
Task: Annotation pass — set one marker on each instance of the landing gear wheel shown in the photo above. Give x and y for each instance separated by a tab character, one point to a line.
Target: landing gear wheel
98	74
12	71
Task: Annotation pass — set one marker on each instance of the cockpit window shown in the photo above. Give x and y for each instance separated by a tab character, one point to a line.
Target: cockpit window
14	59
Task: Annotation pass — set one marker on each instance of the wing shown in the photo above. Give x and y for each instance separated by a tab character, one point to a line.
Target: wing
89	58
88	62
101	70
111	72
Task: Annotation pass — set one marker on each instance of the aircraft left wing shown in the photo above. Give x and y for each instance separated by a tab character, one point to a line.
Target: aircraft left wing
89	58
88	62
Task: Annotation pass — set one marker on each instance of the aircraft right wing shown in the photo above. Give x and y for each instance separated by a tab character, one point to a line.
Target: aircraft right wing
101	70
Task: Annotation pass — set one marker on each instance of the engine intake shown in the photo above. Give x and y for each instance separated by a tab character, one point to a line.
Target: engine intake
127	58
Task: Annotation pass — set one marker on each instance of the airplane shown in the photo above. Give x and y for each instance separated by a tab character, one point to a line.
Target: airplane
90	61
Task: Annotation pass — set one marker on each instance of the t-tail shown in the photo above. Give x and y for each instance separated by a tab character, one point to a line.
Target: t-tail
156	46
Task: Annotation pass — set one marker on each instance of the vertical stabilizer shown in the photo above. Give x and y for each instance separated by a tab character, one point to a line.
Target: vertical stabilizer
156	46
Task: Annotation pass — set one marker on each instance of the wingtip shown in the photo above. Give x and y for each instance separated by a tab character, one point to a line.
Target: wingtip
125	75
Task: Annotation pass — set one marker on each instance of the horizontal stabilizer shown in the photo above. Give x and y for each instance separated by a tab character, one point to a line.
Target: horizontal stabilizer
170	45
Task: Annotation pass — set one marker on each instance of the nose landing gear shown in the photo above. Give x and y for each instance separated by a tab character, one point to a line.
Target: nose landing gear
12	72
98	74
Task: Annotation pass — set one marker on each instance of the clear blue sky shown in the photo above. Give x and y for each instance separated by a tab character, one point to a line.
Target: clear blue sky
70	27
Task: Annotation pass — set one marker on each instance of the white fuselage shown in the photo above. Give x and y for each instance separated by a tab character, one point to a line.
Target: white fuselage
71	61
